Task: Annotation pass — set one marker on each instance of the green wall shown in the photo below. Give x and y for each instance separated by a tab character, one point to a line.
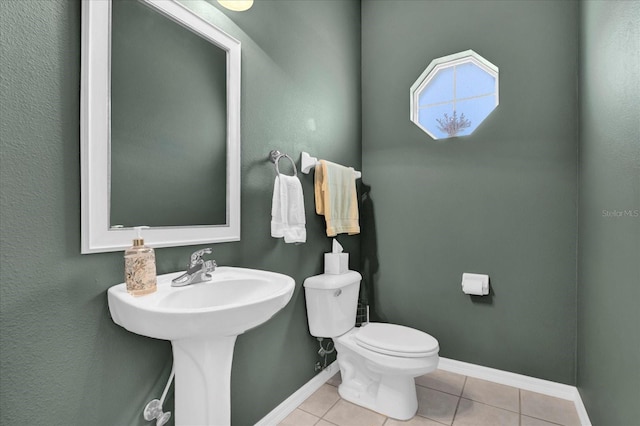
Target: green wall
609	215
501	201
63	361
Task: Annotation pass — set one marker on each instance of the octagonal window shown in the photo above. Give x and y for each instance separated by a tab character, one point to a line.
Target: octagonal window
454	95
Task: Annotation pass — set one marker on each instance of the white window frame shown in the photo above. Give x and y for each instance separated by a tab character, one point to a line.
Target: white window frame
468	56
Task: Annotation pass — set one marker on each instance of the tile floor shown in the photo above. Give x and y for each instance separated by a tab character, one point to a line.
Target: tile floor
444	398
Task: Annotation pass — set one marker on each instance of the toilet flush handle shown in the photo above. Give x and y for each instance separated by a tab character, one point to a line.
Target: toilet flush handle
337	293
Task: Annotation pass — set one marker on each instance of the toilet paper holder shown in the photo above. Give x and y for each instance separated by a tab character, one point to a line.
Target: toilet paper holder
475	284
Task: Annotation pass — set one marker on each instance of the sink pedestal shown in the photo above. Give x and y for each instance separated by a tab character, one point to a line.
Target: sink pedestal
202	322
203	380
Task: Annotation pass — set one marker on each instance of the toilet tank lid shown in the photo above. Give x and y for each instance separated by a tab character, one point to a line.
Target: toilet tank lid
332	281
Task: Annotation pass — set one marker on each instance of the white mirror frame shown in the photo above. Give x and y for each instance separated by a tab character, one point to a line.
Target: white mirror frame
95	129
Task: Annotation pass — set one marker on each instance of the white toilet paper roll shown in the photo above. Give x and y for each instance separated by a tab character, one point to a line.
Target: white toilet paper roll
475	284
473	287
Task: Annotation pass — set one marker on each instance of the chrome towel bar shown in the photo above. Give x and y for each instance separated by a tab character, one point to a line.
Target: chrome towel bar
308	162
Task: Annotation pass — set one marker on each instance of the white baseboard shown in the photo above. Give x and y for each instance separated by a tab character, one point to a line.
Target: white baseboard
546	387
287	406
582	410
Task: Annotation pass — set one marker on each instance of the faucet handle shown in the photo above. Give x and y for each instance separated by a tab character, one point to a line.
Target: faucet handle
196	256
209	265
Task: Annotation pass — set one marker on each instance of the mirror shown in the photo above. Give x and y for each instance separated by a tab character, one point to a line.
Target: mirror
168	117
160	126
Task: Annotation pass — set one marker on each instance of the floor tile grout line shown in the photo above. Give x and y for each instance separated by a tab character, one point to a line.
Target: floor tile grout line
349	402
537	418
455	413
439	390
331	423
491	405
309	412
299	407
330	408
464	385
543	420
430	419
519	407
325	420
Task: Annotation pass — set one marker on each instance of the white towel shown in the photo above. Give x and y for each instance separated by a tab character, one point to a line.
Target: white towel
287	210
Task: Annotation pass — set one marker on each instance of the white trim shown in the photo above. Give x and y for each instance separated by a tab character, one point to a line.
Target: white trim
287	406
582	410
545	387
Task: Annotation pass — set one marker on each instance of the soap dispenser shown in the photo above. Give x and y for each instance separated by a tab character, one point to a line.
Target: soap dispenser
140	267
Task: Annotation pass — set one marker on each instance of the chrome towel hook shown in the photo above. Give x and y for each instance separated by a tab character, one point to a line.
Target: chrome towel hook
275	156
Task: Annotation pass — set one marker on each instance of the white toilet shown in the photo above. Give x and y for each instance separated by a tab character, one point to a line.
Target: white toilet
378	362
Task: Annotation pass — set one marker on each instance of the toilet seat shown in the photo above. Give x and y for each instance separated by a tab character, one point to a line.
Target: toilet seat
396	340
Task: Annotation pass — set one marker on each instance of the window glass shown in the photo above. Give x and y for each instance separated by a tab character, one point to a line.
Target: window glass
471	80
439	88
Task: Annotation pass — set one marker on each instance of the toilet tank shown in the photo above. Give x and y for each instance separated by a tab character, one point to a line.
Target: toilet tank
332	301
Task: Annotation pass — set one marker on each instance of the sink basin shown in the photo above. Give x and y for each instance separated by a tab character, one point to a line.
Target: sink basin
202	322
235	300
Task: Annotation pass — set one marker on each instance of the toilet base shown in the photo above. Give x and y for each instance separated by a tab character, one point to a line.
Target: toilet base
394	397
381	383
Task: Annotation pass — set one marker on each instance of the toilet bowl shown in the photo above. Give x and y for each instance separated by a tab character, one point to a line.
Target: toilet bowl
381	376
378	362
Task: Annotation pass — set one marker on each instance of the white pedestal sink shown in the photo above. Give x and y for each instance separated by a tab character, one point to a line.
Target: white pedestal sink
202	322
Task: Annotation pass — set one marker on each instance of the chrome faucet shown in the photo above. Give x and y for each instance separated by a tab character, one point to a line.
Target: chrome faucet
199	270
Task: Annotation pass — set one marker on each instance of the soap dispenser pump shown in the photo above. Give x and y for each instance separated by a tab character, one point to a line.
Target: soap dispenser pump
140	266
